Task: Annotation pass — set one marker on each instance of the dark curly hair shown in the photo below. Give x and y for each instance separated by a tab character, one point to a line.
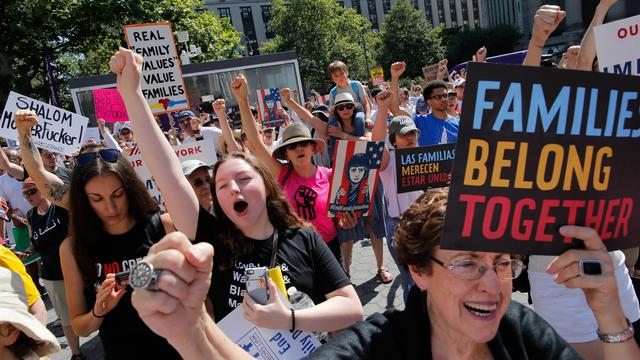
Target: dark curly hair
280	213
420	229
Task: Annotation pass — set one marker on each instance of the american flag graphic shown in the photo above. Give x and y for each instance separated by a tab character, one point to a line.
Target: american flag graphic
269	116
355	177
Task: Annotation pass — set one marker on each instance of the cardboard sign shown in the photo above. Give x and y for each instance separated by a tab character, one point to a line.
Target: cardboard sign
58	130
109	105
540	148
200	150
162	83
618	46
268	104
267	344
424	168
430	72
355	176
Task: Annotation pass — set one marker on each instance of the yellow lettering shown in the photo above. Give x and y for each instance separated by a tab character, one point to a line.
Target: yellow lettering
601	173
556	169
501	163
520	182
475	173
578	167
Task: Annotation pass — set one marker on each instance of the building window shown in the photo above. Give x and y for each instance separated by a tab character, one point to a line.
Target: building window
453	12
224	13
249	29
441	19
465	12
373	14
386	6
476	13
355	4
414	3
428	13
266	17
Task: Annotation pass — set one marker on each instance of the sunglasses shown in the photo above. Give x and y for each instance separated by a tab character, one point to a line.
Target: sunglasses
243	137
202	181
301	143
439	97
29	192
108	155
346	106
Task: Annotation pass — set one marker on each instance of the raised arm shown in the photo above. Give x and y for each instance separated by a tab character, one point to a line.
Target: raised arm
588	45
219	108
303	114
56	190
239	88
179	198
546	20
397	69
380	128
14	170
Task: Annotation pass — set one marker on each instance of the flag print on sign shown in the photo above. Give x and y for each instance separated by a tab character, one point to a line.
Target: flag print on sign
355	176
268	104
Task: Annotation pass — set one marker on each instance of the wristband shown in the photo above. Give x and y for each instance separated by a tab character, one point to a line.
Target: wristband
619	337
293	320
93	312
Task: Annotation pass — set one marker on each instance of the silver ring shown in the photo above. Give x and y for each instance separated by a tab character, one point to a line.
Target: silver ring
144	276
590	267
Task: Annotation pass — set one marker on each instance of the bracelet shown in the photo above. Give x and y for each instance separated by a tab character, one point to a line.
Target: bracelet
616	338
93	312
293	320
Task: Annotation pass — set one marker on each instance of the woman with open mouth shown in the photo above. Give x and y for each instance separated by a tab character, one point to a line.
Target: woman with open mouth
254	227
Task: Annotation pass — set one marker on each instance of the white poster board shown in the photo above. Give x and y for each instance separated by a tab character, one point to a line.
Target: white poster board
162	82
58	130
91	133
199	150
267	344
618	46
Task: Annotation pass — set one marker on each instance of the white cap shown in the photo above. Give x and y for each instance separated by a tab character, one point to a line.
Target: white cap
292	291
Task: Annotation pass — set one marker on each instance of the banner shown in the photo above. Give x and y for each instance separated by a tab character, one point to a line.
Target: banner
109	105
618	46
162	83
58	130
355	176
540	148
268	104
200	150
423	168
430	72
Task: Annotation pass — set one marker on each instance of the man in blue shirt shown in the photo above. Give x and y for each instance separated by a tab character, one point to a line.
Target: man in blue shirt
437	127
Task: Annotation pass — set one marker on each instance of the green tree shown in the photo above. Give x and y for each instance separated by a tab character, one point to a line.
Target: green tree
321	31
407	36
81	35
463	43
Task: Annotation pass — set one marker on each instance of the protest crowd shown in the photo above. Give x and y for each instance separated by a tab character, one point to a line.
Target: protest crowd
270	214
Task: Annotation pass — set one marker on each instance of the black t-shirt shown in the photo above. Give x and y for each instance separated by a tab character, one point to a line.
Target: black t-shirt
306	262
522	335
47	233
123	334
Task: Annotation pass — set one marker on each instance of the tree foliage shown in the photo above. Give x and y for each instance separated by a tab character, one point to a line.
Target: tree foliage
81	36
463	43
321	31
407	36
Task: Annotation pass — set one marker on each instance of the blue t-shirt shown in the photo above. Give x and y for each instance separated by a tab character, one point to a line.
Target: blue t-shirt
434	131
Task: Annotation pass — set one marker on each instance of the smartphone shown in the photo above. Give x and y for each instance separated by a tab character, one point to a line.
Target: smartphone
122	278
256	283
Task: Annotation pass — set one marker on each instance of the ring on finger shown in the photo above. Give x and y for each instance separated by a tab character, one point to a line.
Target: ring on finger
590	267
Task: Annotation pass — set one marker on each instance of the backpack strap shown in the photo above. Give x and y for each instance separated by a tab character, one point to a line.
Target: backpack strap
155	229
356	90
286	176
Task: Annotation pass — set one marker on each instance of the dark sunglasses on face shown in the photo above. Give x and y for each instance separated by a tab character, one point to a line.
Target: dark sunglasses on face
301	143
346	106
108	155
29	192
202	181
439	97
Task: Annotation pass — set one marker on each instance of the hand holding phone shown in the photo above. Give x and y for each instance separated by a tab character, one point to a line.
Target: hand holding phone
256	284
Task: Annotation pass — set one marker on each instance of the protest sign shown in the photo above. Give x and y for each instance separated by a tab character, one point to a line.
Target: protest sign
92	133
267	344
109	105
57	130
199	150
355	176
422	168
268	104
162	82
540	148
377	76
430	72
618	46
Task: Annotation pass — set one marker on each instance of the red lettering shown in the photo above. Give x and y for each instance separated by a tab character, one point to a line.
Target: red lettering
112	268
573	206
517	220
622	33
471	201
546	219
198	150
623	219
505	209
592	219
609	219
190	151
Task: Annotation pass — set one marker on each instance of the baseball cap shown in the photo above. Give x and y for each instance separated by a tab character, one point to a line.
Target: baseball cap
321	110
401	125
185	113
189	166
125	126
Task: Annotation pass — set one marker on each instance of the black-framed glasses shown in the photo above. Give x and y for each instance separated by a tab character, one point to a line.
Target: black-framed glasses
345	106
301	143
108	155
202	181
474	269
29	192
439	97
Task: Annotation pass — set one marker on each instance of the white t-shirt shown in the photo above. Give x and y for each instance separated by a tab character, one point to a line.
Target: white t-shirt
208	134
398	203
11	191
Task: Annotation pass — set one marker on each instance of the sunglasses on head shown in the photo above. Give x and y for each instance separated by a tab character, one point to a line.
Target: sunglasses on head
301	143
345	106
108	155
29	192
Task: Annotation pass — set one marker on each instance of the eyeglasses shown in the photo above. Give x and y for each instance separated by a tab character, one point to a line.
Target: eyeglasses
29	192
301	143
439	97
345	106
46	154
198	182
472	269
108	155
